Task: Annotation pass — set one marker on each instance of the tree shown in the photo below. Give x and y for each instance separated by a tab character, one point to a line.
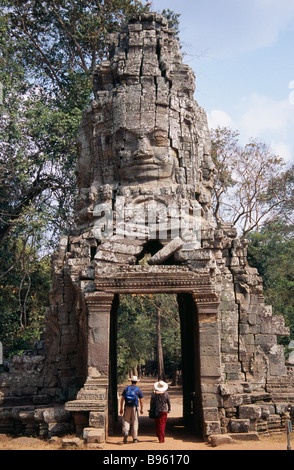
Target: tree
23	296
148	332
49	50
271	251
251	183
160	361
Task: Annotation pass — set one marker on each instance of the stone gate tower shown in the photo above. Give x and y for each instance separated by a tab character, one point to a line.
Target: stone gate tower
144	225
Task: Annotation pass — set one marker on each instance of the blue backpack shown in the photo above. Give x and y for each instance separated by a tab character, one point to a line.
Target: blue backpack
131	396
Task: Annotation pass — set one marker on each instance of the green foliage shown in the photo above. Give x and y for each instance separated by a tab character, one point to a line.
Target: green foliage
61	38
24	293
173	20
137	331
272	252
48	52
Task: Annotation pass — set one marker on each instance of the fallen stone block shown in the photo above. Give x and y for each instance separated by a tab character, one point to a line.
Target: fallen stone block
219	439
95	436
166	251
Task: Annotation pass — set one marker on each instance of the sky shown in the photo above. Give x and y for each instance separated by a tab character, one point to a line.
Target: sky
242	53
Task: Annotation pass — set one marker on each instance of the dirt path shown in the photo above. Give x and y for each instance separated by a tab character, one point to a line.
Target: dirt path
177	438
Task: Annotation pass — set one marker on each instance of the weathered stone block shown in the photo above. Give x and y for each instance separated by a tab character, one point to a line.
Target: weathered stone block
231	388
220	439
249	412
97	420
56	414
210	366
210	414
274	325
210	400
282	408
59	429
239	425
274	422
266	410
95	436
212	427
277	361
166	251
266	342
233	401
72	442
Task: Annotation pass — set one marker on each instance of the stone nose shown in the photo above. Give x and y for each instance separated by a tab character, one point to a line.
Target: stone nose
144	149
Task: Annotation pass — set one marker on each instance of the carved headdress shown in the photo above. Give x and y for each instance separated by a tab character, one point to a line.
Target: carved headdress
144	133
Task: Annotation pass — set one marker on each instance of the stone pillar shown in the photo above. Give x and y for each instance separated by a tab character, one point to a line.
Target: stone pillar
99	308
93	397
210	364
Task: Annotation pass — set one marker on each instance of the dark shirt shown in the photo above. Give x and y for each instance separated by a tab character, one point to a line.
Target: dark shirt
163	401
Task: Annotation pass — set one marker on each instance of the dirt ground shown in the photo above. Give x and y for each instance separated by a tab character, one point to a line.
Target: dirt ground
177	438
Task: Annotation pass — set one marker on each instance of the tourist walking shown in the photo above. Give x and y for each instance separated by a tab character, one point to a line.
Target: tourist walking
160	406
129	403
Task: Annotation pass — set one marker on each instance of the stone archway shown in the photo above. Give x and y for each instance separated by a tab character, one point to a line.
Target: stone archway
198	306
189	327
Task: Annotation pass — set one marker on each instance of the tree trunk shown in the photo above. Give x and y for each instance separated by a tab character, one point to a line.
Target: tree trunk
160	365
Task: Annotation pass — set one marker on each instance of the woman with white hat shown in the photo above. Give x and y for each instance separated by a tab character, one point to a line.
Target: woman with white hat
160	402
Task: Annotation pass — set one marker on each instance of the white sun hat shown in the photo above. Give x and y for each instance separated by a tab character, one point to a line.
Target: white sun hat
160	386
134	379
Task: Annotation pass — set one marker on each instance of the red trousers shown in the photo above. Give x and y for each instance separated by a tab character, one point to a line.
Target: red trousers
160	425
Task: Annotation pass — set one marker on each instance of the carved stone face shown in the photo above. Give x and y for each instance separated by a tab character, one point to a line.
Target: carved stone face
145	157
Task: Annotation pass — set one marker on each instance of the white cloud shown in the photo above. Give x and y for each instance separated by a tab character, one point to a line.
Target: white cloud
269	120
218	118
282	150
262	114
291	94
263	118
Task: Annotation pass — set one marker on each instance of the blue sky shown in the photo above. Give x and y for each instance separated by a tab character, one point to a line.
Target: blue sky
242	53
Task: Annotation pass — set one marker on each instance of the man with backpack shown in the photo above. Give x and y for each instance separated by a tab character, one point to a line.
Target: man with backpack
130	397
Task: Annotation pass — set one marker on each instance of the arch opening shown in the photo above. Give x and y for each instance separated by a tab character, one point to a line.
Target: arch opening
182	371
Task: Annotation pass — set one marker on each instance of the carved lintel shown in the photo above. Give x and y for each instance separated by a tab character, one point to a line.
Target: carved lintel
161	281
